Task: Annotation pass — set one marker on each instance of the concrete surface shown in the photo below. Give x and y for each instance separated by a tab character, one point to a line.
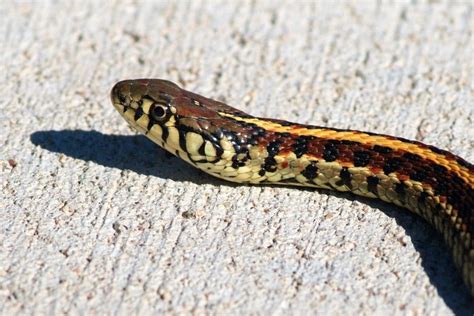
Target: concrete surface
95	219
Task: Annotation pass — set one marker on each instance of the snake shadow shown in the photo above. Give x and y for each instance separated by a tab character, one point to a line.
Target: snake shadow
140	155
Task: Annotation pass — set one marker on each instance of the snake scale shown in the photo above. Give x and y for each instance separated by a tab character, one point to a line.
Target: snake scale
230	144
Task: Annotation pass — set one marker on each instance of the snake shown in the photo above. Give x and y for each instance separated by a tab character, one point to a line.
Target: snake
232	145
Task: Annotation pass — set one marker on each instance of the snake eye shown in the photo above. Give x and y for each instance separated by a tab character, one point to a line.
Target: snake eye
158	112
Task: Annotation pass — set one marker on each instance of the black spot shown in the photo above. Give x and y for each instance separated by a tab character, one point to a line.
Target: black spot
261	172
422	199
382	149
361	158
138	114
440	169
400	189
457	181
423	196
346	177
391	165
411	157
418	175
270	164
273	148
236	163
311	171
301	145
372	182
243	150
441	188
330	152
300	151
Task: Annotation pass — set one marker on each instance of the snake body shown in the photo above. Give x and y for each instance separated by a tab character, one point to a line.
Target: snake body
230	144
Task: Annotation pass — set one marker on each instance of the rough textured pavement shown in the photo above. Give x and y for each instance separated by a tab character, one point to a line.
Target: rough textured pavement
96	219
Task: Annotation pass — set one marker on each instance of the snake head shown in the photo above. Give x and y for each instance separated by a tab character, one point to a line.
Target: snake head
167	114
151	99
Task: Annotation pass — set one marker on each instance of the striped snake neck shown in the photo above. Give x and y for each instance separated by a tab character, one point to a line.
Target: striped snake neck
230	144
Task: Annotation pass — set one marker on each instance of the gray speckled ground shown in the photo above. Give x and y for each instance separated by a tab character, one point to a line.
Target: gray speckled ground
95	219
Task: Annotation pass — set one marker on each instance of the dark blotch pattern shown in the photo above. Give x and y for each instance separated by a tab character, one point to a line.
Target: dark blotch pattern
270	164
311	171
412	157
377	158
300	147
273	147
400	189
422	199
418	175
372	182
236	163
361	158
331	152
346	177
392	165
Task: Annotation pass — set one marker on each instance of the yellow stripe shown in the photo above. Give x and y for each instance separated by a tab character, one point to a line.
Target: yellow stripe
362	138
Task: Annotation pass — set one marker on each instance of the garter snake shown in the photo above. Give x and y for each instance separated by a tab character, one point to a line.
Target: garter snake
230	144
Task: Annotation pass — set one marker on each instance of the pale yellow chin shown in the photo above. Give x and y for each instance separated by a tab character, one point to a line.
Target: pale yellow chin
129	115
118	106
